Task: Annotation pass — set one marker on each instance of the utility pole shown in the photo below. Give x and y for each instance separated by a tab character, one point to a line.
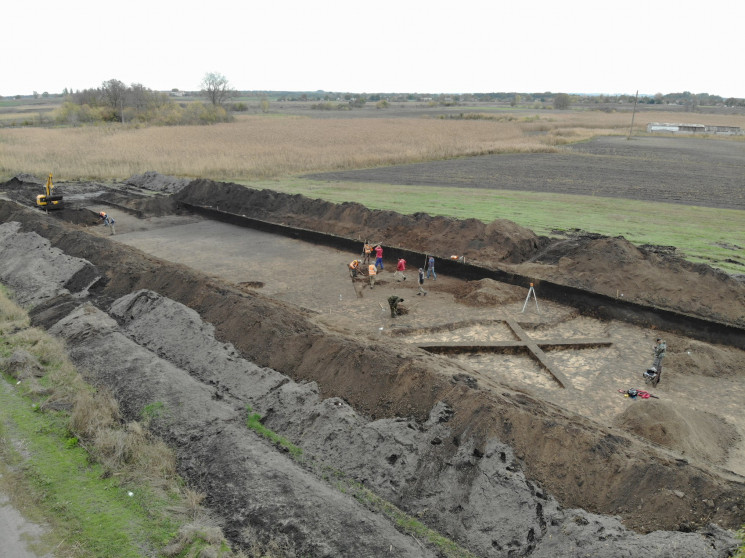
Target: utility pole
632	115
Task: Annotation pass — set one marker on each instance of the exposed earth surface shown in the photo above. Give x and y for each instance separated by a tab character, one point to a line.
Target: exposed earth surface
498	420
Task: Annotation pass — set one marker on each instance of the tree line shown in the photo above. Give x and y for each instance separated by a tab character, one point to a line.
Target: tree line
115	101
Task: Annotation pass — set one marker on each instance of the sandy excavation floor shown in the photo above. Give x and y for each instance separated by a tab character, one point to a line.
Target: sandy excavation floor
316	278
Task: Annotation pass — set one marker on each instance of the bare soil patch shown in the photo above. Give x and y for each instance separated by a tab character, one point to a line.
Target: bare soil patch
688	171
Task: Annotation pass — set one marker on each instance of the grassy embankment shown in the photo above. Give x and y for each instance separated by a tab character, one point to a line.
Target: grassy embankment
270	151
101	488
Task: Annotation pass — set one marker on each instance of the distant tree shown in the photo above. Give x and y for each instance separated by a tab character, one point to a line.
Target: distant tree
562	101
138	96
358	102
113	93
216	88
45	94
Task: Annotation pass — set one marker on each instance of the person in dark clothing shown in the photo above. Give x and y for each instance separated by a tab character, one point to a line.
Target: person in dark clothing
431	267
393	303
659	353
421	282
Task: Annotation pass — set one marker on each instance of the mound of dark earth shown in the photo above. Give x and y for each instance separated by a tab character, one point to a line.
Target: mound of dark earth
488	292
688	431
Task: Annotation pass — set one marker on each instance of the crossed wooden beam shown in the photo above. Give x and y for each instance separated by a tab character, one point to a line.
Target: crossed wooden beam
523	343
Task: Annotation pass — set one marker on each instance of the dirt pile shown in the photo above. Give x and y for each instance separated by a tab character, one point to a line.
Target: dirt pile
688	431
487	292
157	182
610	266
499	241
35	280
615	267
252	486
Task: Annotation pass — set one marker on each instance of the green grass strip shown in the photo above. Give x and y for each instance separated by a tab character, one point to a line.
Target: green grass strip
366	497
93	513
402	520
253	421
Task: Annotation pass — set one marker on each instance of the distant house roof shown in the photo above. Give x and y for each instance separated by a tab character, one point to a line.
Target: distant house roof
692	128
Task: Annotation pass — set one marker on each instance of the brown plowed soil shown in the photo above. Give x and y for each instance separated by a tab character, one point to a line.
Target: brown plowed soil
671	170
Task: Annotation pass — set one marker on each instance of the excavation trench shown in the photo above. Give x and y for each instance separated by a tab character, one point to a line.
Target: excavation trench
497	470
586	301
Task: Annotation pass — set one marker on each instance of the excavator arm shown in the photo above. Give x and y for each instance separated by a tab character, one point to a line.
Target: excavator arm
48	201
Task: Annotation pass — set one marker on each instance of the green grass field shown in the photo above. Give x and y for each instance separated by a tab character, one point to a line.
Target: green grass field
701	234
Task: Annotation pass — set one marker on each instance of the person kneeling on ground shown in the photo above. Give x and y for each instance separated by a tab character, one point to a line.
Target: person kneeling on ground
393	303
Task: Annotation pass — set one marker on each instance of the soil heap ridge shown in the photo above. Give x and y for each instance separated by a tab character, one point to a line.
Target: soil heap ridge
609	266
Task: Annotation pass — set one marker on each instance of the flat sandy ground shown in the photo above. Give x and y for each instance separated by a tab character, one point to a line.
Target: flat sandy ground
316	278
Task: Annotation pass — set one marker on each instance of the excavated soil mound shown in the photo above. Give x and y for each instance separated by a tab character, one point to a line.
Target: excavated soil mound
615	267
691	432
691	357
155	181
501	240
487	292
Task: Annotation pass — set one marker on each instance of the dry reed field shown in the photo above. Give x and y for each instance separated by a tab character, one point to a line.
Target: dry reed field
270	146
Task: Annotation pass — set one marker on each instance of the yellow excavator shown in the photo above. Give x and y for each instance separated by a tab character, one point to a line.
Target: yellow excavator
49	201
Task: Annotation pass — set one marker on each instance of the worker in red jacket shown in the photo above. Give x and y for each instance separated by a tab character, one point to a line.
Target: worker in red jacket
379	257
400	268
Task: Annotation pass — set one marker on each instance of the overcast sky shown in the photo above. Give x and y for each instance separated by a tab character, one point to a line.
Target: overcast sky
572	46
